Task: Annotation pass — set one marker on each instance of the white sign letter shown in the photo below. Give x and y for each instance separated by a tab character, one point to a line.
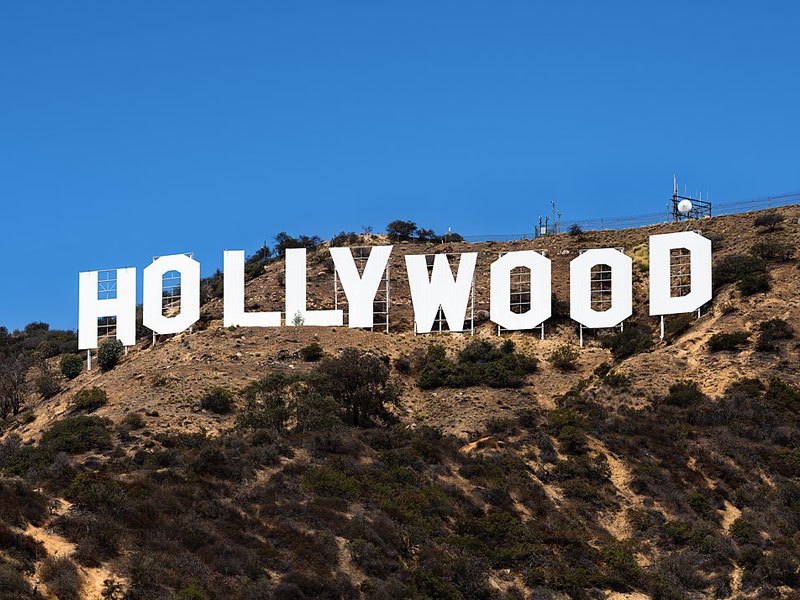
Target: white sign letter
152	310
500	290
360	289
428	294
580	288
233	299
699	247
296	294
123	307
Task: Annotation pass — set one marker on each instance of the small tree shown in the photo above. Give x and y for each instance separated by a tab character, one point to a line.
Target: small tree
565	357
311	353
89	399
109	354
13	385
218	400
71	365
359	383
401	231
575	230
768	220
46	382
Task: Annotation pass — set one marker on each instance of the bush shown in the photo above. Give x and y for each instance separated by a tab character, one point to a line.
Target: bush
217	400
684	394
133	421
13	586
632	340
728	341
772	251
768	220
575	230
62	578
402	365
732	268
565	357
753	283
744	531
46	383
358	381
479	363
769	331
89	399
275	401
677	325
76	435
699	503
109	354
312	352
71	365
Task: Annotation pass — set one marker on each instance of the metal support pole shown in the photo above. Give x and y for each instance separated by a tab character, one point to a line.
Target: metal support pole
472	309
335	292
387	296
88	360
662	327
580	330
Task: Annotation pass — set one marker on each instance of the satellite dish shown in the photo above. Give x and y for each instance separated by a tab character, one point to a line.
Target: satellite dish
684	206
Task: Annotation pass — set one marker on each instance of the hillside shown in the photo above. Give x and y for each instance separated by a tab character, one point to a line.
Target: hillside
646	469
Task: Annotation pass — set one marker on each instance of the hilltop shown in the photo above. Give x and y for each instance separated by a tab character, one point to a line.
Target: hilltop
639	468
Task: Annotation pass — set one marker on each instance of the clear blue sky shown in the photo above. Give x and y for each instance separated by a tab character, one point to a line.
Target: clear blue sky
129	130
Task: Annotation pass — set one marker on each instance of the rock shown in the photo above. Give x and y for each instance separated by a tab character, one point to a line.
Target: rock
481	316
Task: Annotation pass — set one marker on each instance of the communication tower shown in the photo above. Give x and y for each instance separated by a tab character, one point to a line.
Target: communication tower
683	208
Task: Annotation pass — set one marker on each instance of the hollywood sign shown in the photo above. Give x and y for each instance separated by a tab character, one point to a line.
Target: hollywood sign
431	290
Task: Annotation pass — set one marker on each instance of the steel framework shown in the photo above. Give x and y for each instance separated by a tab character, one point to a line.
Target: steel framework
520	293
380	306
440	322
600	294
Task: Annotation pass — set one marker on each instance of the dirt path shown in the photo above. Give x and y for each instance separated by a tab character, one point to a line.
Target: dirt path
92	579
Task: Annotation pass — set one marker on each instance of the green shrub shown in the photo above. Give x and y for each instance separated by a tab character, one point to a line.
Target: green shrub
728	341
13	586
331	482
479	363
768	220
744	531
732	268
62	577
402	365
684	394
89	399
133	421
71	365
565	357
769	331
217	400
677	325
699	503
632	340
772	251
617	380
191	592
109	354
76	435
358	381
46	382
91	490
311	353
753	283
